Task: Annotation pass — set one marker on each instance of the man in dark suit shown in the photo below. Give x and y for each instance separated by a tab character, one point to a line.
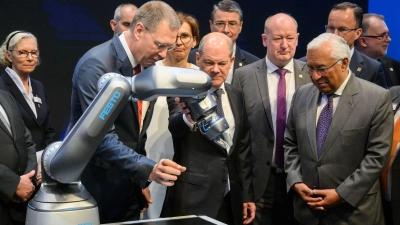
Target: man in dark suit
337	140
17	163
345	20
259	83
390	177
218	182
227	18
116	175
374	42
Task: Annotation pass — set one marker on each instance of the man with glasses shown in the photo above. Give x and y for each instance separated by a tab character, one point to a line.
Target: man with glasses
116	174
374	42
337	140
227	18
268	86
345	20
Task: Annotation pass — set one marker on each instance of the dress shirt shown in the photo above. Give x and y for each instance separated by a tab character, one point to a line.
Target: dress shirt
336	97
230	73
2	111
145	104
28	96
272	82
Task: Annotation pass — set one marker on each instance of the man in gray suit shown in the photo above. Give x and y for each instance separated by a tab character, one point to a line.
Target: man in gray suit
260	82
227	18
116	174
337	140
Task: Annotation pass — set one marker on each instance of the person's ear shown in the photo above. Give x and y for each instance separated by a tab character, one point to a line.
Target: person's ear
113	24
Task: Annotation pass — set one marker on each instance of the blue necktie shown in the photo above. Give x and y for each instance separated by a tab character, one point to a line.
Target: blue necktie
220	111
324	121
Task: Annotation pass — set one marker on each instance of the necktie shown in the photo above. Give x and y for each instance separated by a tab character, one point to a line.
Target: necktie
137	69
280	118
3	119
324	121
220	111
395	142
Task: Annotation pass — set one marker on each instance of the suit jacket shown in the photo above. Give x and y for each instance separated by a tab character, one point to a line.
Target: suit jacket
355	152
252	80
115	170
242	58
365	68
395	195
18	157
391	67
200	189
41	130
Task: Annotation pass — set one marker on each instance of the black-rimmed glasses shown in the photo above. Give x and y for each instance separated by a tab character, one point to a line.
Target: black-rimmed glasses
230	24
184	37
161	46
341	30
24	54
320	71
381	37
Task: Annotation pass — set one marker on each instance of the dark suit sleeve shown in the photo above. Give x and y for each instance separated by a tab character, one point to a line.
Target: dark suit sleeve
245	160
9	181
177	125
31	163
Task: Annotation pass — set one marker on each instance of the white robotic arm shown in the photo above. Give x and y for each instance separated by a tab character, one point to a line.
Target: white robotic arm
62	199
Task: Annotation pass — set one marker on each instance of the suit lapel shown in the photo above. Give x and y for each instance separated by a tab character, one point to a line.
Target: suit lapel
16	93
311	116
347	102
261	77
10	116
239	58
41	112
356	63
300	77
233	101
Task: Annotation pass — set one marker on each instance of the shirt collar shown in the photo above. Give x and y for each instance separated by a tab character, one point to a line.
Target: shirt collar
14	76
272	68
127	50
339	91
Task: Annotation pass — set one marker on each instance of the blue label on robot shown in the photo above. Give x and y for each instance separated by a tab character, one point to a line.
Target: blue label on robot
110	105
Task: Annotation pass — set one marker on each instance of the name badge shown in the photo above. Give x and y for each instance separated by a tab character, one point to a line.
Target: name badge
37	99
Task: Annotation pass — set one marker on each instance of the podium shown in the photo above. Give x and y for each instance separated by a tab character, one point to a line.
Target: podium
180	220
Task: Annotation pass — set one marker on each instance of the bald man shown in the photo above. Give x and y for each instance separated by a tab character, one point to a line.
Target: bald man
123	17
219	181
260	83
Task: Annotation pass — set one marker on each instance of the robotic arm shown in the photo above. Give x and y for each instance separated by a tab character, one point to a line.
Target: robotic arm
62	199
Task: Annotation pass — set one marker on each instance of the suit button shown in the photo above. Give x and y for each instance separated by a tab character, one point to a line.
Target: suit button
268	163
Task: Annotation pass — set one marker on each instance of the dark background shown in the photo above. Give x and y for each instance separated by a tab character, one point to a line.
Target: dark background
66	29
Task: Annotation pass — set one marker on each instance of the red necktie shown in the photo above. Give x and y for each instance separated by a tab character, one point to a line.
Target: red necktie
137	70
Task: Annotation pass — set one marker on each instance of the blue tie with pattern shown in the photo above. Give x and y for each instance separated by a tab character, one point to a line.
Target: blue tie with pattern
324	121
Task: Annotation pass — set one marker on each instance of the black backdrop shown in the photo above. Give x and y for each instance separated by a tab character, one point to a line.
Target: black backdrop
66	29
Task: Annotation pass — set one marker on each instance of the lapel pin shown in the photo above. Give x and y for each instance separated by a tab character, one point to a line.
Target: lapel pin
240	64
301	76
358	69
391	69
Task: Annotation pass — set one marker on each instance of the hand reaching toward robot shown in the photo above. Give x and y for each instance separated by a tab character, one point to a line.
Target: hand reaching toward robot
166	172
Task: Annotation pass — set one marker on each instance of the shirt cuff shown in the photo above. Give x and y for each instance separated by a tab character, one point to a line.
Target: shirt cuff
187	122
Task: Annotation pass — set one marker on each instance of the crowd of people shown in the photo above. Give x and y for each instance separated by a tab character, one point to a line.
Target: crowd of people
313	140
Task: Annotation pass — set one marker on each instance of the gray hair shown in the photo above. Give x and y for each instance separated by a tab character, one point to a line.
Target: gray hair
205	39
227	6
117	13
11	41
268	21
152	13
340	48
366	20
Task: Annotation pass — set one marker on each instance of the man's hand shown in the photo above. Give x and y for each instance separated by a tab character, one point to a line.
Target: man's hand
146	199
249	212
306	193
25	187
184	109
166	171
330	198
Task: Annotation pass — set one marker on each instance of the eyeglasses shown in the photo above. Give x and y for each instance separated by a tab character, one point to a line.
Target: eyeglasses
230	24
341	30
24	54
320	71
184	37
161	46
384	36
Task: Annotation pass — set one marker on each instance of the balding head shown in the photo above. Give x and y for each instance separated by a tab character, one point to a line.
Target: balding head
123	17
215	57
